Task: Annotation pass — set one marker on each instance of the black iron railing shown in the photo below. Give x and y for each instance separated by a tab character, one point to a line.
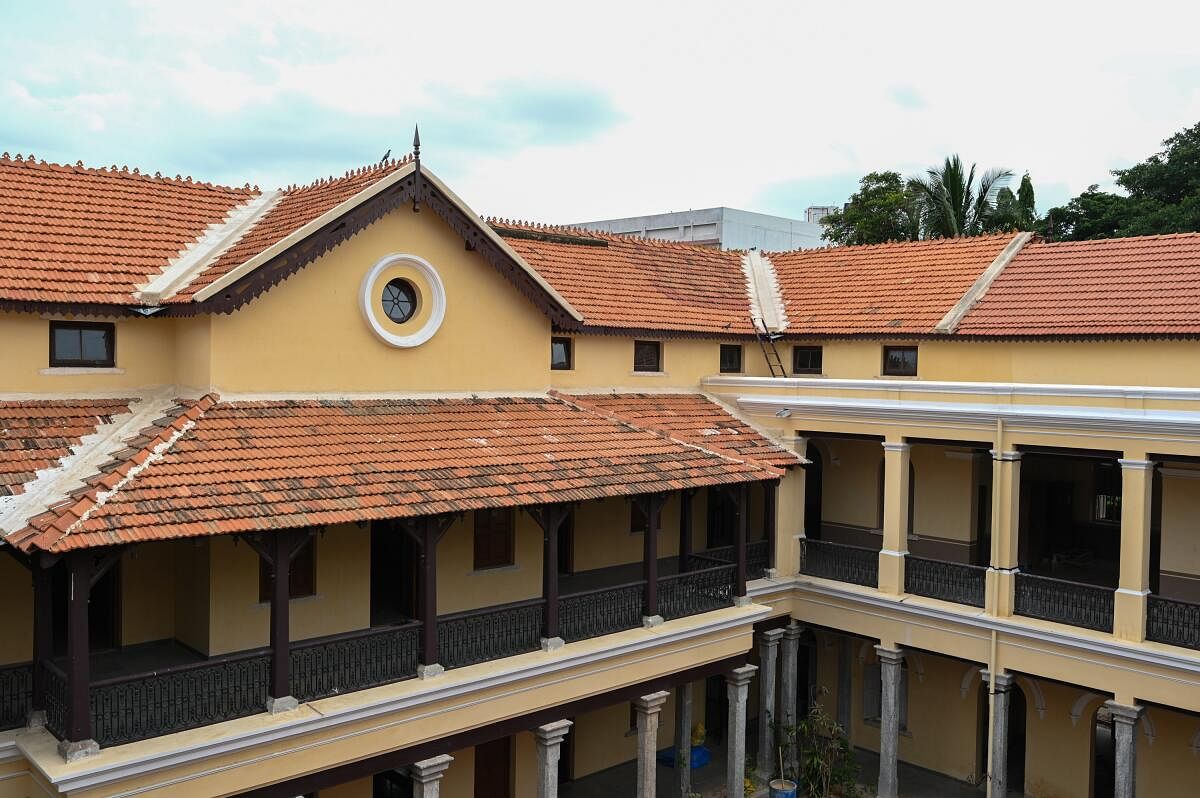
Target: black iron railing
1174	622
126	709
344	663
1074	603
604	611
853	564
757	557
948	581
56	699
694	592
16	694
466	638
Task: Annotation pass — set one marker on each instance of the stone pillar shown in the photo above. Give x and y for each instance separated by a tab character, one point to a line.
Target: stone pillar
889	721
1001	589
1000	688
426	775
1137	481
549	749
789	667
896	460
648	708
683	738
1125	720
737	685
768	656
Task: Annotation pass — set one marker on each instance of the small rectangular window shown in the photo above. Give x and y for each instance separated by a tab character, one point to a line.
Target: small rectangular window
79	343
302	574
731	358
806	359
494	538
647	356
900	361
562	354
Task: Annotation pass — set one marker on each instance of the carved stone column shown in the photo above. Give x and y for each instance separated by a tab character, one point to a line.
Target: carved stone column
768	656
549	749
1125	719
648	708
789	686
427	774
683	738
889	721
737	685
1000	688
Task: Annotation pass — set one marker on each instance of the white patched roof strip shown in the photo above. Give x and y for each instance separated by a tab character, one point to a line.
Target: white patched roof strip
215	241
53	485
762	287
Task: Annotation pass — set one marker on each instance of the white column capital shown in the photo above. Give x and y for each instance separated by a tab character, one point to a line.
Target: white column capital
651	703
792	631
1136	465
896	446
770	637
889	656
1002	682
552	733
1124	713
428	771
740	677
1005	457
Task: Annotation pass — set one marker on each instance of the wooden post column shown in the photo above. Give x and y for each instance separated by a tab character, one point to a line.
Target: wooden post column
550	517
427	531
685	528
43	634
652	507
277	550
742	495
77	741
771	521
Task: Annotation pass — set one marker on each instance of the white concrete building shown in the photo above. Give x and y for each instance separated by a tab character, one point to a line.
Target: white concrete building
727	228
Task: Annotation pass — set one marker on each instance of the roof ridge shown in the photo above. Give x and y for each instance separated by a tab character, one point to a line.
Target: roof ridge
381	167
120	171
973	295
59	522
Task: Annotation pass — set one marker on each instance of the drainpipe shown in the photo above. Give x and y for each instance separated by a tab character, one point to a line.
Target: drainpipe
991	688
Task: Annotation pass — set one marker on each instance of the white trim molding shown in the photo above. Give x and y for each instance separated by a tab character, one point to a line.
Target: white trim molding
435	296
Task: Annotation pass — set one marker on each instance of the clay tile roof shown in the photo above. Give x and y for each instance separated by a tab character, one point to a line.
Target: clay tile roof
1121	286
692	418
626	282
80	235
222	468
889	289
37	435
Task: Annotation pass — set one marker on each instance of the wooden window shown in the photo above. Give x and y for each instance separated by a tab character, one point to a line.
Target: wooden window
647	356
562	354
900	361
78	343
806	359
731	358
302	579
493	538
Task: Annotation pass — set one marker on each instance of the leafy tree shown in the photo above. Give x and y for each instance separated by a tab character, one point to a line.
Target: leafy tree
1013	211
883	209
1162	196
952	204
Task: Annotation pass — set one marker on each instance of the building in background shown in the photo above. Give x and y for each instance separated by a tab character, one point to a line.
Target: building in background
726	228
815	213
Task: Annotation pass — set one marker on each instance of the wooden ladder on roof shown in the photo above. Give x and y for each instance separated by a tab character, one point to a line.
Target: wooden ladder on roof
766	341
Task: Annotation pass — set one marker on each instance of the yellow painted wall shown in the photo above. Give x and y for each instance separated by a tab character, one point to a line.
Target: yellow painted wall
942	493
460	587
1181	522
193	352
606	362
148	591
16	597
459	781
239	621
194	594
1058	757
359	788
603	737
17	782
850	481
1168	766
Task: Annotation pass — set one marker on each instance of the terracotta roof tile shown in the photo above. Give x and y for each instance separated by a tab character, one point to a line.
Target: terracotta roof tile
36	435
243	466
889	289
1121	286
692	418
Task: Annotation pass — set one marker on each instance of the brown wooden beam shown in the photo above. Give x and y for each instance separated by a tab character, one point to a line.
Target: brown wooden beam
739	543
550	518
280	548
652	505
770	518
43	630
79	585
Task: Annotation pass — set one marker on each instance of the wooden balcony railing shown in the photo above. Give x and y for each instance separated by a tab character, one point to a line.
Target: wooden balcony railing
16	694
1074	603
853	564
1174	622
948	581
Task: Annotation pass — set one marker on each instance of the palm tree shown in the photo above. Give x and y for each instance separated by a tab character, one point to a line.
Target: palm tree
951	203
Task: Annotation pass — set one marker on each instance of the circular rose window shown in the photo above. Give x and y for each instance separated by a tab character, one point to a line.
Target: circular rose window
403	300
399	300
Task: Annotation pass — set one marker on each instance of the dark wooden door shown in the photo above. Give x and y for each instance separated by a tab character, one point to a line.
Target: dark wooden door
394	562
722	519
493	769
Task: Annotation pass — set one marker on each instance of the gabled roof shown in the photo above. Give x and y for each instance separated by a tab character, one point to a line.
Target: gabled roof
1123	286
220	467
883	289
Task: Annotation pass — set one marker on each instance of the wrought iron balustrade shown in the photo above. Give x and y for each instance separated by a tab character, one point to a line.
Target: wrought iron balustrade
1174	622
127	709
56	698
347	662
16	694
948	581
757	557
604	611
1074	603
694	592
466	638
838	561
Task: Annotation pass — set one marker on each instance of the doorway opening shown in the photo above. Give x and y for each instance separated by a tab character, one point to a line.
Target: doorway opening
813	473
395	560
493	769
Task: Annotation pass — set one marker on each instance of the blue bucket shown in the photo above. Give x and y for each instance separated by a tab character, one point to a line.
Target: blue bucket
782	788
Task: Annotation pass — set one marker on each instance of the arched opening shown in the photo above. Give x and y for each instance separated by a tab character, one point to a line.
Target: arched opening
1104	753
812	492
1016	739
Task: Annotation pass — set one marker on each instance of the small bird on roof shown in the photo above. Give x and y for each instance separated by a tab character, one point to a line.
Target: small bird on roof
386	155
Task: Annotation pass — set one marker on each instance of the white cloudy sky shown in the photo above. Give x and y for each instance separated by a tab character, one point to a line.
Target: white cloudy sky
568	111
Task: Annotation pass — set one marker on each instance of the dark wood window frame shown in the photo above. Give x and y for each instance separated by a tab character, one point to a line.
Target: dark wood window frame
731	358
641	356
904	371
110	334
302	574
569	347
494	539
799	351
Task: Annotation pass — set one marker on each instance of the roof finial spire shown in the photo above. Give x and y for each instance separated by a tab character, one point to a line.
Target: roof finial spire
416	166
